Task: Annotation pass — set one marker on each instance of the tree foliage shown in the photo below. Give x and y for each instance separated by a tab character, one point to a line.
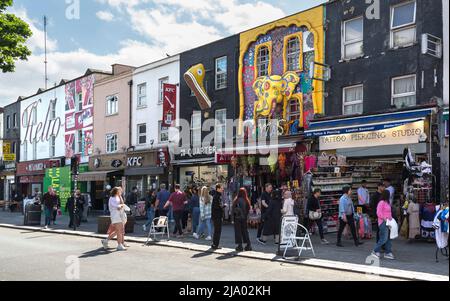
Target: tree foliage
14	33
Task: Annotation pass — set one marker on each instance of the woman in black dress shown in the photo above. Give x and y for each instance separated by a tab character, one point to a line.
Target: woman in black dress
272	218
241	208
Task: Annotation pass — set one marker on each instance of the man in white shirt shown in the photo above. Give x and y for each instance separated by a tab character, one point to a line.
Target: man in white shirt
363	194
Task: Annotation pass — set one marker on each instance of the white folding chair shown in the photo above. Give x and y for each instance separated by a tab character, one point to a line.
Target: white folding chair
162	224
300	243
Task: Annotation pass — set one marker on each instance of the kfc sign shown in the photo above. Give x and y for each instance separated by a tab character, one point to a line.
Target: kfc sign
135	161
169	105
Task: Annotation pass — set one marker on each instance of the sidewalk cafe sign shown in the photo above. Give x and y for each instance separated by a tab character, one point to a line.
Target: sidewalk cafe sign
411	133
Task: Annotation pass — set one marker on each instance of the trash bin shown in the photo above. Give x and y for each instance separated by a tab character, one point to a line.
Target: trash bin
32	215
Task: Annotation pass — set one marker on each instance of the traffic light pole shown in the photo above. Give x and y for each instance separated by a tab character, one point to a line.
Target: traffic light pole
75	170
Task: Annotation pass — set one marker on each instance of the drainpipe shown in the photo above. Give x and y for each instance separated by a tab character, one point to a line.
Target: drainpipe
130	118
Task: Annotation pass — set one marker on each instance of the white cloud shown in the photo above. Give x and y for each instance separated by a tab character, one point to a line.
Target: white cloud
105	16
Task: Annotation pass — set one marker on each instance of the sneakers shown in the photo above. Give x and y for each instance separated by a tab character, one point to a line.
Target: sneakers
325	242
376	254
239	249
144	228
126	245
195	236
46	227
389	256
121	248
105	244
260	241
194	78
216	247
208	238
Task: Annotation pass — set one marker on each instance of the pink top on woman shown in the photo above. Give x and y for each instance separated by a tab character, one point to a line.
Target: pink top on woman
384	212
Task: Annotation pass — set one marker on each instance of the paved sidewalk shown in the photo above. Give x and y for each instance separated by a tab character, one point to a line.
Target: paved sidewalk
414	257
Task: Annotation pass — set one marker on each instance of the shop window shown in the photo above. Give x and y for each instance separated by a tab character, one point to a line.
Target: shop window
162	81
221	73
142	95
263	61
293	54
163	132
294	110
353	98
220	127
196	129
111	143
52	146
112	105
142	133
404	91
403	24
352	38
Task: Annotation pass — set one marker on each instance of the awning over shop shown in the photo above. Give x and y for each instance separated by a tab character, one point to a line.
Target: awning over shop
365	123
258	149
94	176
145	171
194	161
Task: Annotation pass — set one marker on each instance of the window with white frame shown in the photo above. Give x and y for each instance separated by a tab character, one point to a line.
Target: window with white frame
196	129
111	143
263	61
79	141
52	146
25	150
79	102
142	95
142	133
163	132
25	118
112	105
353	98
293	54
162	81
404	91
294	110
403	24
221	127
34	150
352	38
221	73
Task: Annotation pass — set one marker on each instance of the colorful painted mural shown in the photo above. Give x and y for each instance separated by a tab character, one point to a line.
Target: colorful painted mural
274	67
79	116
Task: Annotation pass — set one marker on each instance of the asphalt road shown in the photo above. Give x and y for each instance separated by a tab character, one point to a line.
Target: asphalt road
26	255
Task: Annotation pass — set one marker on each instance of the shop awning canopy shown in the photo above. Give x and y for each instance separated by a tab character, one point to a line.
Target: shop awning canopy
94	176
367	123
145	171
258	149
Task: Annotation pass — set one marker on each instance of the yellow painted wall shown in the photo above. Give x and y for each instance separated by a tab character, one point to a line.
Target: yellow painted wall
313	20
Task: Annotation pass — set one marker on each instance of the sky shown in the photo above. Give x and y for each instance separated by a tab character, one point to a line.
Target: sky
98	33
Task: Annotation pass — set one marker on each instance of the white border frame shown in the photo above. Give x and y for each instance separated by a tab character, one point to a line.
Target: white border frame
344	104
404	94
346	43
106	140
107	114
217	73
140	105
404	26
139	135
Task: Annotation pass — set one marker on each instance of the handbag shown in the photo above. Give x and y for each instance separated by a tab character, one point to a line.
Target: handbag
313	215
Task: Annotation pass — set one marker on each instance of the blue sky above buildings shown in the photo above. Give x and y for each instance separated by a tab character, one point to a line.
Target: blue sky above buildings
128	31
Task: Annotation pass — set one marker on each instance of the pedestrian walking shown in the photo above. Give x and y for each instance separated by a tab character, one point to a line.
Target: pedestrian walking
265	201
195	209
150	207
118	219
106	196
132	199
240	209
50	201
177	200
376	198
74	208
162	197
272	218
217	215
363	196
187	208
384	214
315	214
205	208
56	209
288	204
346	216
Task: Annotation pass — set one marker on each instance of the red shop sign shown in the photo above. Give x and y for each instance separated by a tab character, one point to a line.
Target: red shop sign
169	105
36	167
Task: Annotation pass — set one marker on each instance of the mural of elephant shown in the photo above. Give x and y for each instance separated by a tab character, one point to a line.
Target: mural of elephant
273	90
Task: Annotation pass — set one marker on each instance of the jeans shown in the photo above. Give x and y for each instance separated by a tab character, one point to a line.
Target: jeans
318	222
195	218
48	216
178	215
150	216
171	214
105	208
201	227
384	240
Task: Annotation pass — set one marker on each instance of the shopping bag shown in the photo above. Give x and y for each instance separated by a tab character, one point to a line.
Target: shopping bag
393	226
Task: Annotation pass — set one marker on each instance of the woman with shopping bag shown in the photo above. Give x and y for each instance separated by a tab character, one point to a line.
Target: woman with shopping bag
384	214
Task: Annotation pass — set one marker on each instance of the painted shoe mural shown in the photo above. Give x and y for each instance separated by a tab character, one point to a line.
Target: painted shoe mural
194	78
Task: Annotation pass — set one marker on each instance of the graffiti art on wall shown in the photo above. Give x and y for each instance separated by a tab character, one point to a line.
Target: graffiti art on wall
79	116
274	67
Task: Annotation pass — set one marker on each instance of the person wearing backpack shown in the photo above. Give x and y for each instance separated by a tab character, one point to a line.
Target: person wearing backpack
241	208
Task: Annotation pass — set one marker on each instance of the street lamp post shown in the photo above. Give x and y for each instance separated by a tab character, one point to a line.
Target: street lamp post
75	171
